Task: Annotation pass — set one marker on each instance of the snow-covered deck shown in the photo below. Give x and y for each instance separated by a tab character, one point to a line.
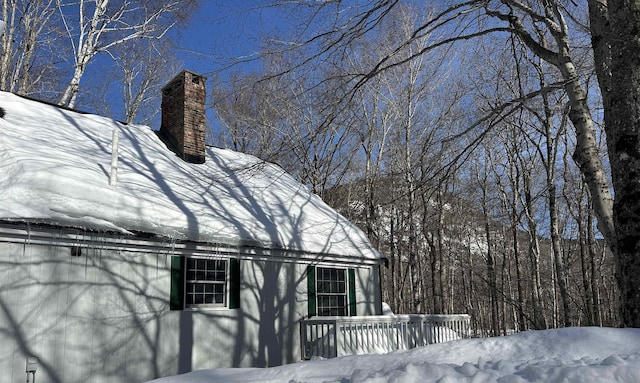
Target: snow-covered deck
328	337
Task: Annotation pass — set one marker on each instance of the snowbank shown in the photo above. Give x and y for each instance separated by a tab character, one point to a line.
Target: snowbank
564	355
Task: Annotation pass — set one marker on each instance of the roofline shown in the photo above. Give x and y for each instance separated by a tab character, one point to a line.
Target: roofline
63	107
46	234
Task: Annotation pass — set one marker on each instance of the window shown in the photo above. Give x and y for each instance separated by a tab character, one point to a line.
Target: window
204	282
331	291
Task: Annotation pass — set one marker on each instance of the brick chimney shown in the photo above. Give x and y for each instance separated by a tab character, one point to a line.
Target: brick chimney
183	116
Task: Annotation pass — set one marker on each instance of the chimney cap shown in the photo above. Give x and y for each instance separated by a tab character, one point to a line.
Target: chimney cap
181	75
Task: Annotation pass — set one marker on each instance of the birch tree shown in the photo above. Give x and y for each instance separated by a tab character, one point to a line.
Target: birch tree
136	72
26	39
95	26
142	65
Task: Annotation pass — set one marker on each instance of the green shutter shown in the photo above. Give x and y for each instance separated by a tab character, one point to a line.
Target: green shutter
352	292
176	297
311	290
234	283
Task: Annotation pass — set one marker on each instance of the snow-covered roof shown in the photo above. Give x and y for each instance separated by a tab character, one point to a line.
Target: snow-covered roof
55	166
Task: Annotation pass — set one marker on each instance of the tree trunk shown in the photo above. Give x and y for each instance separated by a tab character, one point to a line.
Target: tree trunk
70	94
513	202
560	267
539	321
393	285
490	264
8	16
622	125
440	255
435	306
86	49
469	292
585	252
595	272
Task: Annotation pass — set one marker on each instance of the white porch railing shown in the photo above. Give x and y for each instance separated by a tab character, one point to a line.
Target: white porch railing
328	337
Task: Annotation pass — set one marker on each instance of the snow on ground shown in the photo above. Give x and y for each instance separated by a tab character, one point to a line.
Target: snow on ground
581	354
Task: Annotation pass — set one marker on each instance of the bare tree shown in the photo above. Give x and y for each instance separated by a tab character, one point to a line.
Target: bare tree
94	26
26	40
249	115
130	88
144	65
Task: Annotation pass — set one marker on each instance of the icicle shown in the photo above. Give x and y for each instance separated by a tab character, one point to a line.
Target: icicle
86	255
27	242
170	252
114	159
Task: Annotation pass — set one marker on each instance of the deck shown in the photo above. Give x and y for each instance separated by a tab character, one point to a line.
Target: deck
329	337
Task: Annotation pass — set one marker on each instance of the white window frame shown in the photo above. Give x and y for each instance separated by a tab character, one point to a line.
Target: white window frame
198	280
320	309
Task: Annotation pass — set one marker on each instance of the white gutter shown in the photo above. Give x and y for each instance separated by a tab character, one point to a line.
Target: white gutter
58	236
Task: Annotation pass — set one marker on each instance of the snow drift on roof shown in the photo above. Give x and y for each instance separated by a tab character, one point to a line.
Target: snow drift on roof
55	166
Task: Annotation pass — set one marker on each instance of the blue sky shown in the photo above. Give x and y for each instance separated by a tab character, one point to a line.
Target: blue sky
220	30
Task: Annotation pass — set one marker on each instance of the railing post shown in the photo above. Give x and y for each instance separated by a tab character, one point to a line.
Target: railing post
337	338
303	340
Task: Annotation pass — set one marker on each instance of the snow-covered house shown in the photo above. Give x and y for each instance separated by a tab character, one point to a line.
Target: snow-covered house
128	254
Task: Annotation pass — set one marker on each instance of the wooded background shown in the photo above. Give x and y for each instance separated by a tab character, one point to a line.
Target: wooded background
449	140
